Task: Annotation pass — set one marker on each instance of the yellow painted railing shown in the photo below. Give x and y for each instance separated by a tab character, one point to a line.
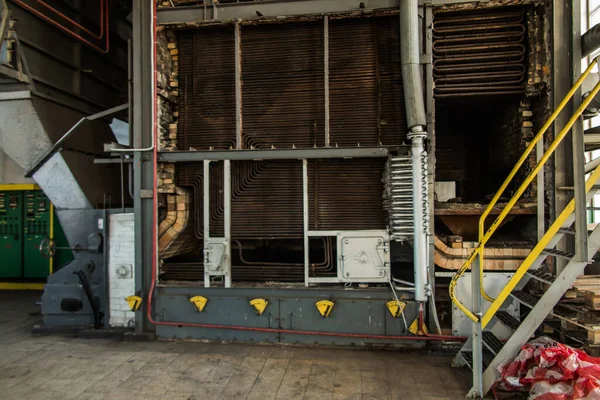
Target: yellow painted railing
484	238
535	253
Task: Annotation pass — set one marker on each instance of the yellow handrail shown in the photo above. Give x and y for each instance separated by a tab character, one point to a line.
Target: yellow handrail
537	250
508	207
522	160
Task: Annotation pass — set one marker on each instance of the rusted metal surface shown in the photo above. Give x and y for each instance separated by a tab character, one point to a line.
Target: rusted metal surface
367	98
479	53
266	205
283	85
207	118
346	194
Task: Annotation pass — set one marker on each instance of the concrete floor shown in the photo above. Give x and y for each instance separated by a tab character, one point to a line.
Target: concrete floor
52	367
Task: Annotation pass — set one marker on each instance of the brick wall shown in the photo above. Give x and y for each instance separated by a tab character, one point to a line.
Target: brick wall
121	269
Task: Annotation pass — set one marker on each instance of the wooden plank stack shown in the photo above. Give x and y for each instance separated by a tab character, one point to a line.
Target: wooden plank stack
588	286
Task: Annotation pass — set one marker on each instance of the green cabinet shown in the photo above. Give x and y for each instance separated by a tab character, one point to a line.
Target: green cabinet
37	228
11	234
26	219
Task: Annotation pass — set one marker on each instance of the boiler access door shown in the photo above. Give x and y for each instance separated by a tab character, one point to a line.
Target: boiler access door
364	258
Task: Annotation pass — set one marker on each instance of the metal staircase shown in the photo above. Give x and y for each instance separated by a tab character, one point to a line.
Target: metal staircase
482	339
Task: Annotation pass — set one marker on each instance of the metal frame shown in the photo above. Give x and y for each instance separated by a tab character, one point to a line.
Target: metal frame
224	241
275	154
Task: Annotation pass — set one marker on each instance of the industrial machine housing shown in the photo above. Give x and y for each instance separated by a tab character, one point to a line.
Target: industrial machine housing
296	171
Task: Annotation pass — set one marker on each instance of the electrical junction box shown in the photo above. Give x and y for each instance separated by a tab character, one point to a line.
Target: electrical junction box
364	256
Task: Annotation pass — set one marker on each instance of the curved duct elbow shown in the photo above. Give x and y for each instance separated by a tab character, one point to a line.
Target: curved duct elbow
173	238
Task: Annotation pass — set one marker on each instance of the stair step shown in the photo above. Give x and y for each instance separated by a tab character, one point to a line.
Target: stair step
567	231
525	298
508	320
541	276
491	342
468	357
558	253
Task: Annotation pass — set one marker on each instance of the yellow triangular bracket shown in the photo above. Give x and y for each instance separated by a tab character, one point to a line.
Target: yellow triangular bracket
324	307
259	305
395	307
414	328
199	302
134	302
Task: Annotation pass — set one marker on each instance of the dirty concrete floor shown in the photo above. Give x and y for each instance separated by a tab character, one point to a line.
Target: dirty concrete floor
52	367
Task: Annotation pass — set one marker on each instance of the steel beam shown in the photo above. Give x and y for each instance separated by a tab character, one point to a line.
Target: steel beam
251	10
224	12
273	154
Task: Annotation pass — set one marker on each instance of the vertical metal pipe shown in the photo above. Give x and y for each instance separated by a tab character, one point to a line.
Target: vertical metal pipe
415	115
420	247
326	78
305	217
206	217
238	87
411	68
227	218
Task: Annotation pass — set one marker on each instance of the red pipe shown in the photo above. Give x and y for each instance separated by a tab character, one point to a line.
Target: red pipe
71	21
239	327
68	31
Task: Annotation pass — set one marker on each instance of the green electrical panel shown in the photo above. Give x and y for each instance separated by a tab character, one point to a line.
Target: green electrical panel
37	228
26	219
11	234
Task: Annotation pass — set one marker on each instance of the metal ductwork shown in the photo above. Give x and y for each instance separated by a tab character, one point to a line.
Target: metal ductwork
415	115
590	41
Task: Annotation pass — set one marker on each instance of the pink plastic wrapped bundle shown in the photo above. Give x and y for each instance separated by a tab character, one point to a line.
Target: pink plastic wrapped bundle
549	370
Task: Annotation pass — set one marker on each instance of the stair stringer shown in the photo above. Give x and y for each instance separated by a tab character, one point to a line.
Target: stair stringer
539	312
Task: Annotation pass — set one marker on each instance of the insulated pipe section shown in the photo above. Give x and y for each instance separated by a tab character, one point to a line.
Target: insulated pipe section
415	116
411	69
590	41
420	232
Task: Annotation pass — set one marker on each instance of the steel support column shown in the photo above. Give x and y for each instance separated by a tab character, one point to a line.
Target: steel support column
143	100
563	70
581	235
227	218
305	218
477	343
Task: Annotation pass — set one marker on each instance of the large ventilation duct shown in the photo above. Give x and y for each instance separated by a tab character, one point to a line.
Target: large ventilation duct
590	41
415	115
